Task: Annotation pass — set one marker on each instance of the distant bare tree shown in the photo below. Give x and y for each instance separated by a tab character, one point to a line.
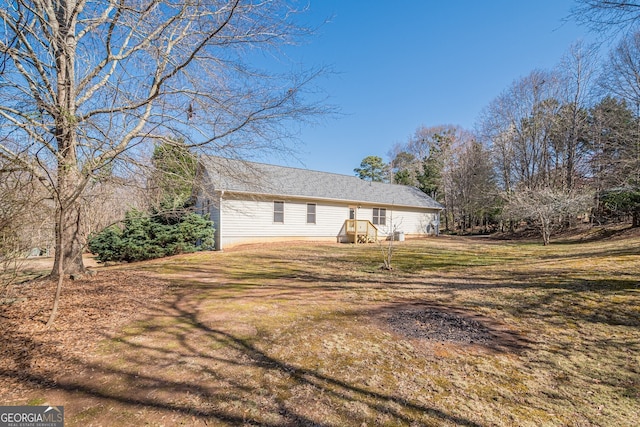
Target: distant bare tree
105	203
620	75
470	188
403	167
25	220
547	208
12	247
576	74
424	159
621	79
428	140
517	126
614	159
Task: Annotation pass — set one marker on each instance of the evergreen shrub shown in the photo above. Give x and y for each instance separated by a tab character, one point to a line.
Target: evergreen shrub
145	237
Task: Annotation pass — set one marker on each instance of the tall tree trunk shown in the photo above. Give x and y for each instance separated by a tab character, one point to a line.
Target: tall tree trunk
69	239
570	164
545	228
68	226
69	242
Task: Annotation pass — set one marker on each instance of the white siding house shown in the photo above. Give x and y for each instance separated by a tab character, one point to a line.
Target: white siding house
255	202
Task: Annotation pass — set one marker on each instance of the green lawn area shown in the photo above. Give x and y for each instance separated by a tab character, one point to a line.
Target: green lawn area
306	334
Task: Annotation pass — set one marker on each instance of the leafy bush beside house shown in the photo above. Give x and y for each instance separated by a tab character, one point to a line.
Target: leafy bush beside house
170	228
146	237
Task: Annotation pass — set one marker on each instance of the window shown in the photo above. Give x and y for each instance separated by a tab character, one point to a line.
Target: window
352	213
379	216
278	212
311	213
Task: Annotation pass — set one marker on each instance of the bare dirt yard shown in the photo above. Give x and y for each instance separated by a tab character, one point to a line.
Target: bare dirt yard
471	332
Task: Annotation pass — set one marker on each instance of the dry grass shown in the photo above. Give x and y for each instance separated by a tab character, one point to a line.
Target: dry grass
298	335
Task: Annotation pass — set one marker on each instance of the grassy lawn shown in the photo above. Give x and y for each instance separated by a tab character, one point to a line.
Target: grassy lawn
306	334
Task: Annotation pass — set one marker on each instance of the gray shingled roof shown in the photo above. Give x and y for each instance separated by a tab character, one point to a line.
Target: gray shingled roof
263	179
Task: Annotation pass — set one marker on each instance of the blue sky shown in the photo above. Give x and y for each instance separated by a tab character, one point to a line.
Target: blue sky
400	65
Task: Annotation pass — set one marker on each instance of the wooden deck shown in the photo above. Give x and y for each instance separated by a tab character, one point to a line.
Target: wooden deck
360	231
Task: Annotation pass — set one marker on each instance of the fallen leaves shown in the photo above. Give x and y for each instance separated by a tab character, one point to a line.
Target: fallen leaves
91	309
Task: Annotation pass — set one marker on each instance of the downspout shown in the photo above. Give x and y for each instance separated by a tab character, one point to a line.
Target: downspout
218	232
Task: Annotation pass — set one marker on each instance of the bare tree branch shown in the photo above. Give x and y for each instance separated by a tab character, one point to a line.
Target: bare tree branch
607	15
85	85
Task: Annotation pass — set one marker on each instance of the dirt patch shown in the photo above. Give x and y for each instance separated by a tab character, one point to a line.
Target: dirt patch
432	324
443	324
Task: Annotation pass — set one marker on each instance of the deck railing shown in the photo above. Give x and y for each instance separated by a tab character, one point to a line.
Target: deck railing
360	231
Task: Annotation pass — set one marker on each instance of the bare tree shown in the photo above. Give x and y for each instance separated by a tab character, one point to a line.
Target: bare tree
517	126
426	157
576	73
546	208
621	78
604	16
25	225
85	84
403	170
499	137
620	75
12	246
470	184
388	246
106	202
614	134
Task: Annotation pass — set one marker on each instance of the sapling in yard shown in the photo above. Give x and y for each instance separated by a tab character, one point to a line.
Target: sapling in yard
387	248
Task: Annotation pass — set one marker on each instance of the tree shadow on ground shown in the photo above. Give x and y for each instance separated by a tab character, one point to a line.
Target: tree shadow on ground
178	361
551	292
173	362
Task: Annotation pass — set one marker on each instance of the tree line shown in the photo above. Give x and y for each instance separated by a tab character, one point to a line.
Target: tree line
554	147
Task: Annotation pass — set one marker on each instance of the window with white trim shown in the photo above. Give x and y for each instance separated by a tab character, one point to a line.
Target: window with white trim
278	212
379	216
311	213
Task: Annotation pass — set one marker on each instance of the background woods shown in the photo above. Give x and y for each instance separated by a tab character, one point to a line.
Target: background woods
564	141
